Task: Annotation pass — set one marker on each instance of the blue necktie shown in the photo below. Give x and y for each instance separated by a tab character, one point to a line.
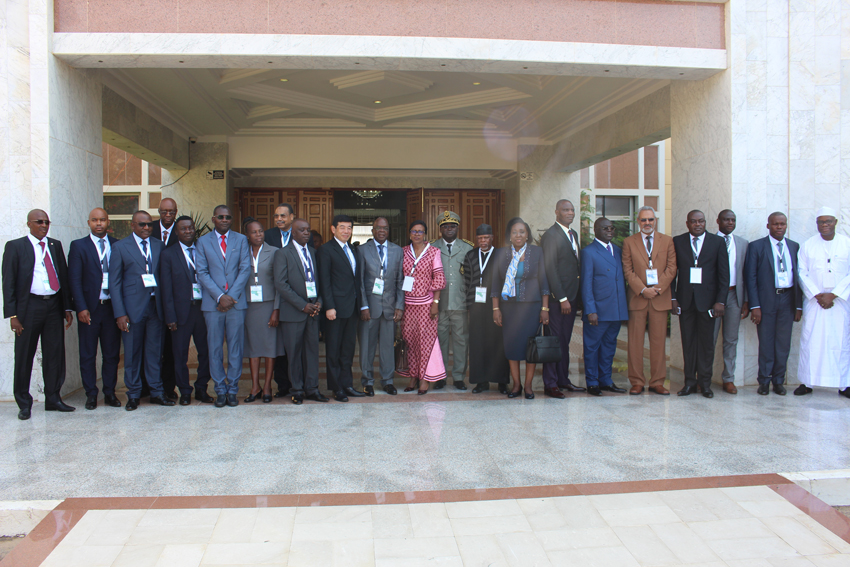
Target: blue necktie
350	257
145	252
191	250
383	259
309	264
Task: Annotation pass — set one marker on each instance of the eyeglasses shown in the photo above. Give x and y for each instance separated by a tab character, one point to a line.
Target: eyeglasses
145	224
41	221
283	216
820	222
224	217
417	232
646	220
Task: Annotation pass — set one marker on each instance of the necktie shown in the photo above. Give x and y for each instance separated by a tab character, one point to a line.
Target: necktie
696	240
781	257
649	245
728	242
165	237
223	244
350	257
191	250
381	253
284	237
309	271
104	263
449	246
51	273
145	252
611	250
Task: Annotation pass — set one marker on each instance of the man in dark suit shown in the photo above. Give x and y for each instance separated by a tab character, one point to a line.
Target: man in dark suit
37	296
295	279
699	295
280	236
561	255
339	276
776	298
181	305
137	306
88	274
603	291
164	231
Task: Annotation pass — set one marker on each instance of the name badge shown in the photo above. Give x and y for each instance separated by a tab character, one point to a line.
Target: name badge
829	280
378	288
149	280
408	284
480	294
196	291
652	277
696	275
784	279
105	283
256	294
311	290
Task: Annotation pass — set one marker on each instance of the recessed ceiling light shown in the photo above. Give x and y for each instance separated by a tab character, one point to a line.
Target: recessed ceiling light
476	84
284	80
180	62
377	102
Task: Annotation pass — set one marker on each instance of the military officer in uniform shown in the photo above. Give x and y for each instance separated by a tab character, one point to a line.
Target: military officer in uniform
452	328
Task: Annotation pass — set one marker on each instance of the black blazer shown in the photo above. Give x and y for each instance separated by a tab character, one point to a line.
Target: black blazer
472	275
562	264
339	289
275	238
85	275
175	277
290	281
172	238
533	285
18	266
714	261
759	272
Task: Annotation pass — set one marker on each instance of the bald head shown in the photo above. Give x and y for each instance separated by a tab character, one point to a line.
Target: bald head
38	222
167	212
98	222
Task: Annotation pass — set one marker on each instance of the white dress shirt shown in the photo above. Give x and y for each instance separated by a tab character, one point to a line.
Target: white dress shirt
107	256
346	249
285	235
605	245
170	232
187	257
569	234
786	257
700	240
148	254
733	259
40	285
301	257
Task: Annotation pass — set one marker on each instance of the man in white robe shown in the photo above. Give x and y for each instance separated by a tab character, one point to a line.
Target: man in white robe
825	278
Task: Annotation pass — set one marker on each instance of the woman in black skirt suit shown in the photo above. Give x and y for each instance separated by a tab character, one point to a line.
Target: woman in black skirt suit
520	297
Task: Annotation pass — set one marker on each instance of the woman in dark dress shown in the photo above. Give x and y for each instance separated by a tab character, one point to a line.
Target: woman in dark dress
487	362
520	298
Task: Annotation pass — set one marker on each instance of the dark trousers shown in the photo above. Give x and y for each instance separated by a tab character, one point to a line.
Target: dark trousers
557	374
45	321
142	346
281	371
104	330
195	328
340	340
301	341
600	345
167	370
697	346
774	333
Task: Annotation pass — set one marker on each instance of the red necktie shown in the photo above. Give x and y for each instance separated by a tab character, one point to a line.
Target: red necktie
224	252
51	273
165	236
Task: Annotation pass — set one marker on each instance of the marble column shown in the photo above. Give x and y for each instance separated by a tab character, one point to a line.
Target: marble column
194	193
50	151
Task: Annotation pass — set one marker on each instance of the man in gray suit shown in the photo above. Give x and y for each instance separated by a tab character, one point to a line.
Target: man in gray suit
224	265
382	301
300	307
736	300
137	306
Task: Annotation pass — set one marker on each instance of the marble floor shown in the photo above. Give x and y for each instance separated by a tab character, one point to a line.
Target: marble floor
738	526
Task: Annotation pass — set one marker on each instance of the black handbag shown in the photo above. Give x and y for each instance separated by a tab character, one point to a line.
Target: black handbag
542	348
400	345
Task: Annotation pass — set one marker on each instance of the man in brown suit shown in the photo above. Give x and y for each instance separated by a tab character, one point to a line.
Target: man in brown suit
649	264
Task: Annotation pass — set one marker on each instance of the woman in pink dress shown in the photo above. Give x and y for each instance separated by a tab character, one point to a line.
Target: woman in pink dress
422	264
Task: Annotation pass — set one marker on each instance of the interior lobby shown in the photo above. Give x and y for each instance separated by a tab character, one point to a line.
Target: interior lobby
407	109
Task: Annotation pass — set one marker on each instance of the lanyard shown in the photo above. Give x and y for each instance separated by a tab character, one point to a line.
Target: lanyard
483	266
147	255
256	262
384	259
696	252
307	263
415	259
100	255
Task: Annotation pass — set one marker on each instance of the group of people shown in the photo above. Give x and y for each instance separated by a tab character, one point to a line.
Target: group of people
262	293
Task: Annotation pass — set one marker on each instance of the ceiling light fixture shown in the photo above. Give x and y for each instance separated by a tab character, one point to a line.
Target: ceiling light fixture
284	80
377	102
476	84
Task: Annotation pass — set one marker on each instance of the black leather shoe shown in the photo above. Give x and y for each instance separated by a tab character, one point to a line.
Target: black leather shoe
529	395
232	401
220	401
779	389
91	402
204	398
253	397
340	396
503	388
172	395
439	384
185	400
280	394
845	392
157	401
369	391
111	400
802	390
612	388
570	387
350	391
390	389
460	385
707	393
594	390
764	389
516	394
267	399
687	391
58	406
132	404
297	399
318	397
480	388
24	414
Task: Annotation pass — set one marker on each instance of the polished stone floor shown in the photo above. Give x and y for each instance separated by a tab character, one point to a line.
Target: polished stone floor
430	443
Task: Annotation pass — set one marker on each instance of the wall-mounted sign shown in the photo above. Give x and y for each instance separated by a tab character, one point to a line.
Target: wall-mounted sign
215	174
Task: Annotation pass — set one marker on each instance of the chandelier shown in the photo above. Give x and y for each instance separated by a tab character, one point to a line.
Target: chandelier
368	194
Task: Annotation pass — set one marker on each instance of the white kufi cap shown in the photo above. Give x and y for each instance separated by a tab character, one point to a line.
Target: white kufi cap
826	212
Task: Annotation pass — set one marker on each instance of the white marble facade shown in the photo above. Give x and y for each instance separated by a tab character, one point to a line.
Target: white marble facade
191	189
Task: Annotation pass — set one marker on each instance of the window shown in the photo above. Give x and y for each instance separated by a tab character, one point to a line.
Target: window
129	184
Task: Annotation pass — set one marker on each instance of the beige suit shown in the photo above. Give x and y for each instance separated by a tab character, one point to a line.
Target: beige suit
635	264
